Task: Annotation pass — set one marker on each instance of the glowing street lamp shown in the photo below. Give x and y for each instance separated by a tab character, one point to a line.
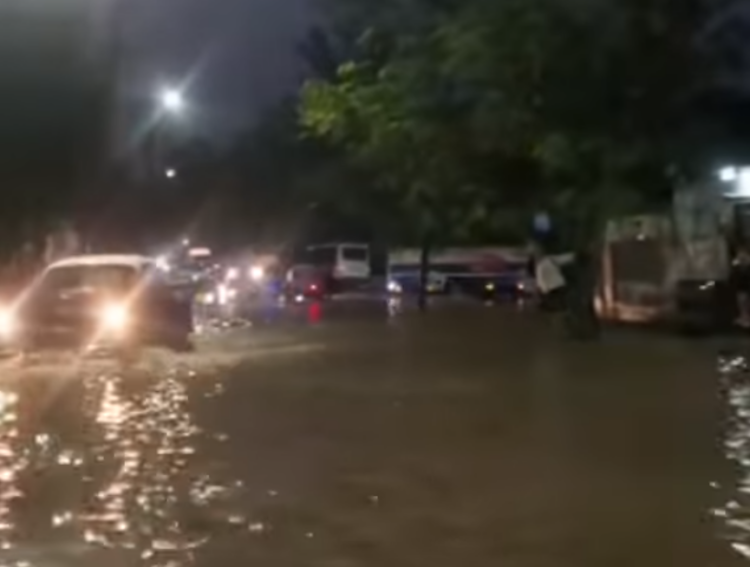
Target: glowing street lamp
736	181
172	101
729	174
171	106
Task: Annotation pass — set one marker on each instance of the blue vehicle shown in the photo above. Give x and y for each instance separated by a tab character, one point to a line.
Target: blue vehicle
478	272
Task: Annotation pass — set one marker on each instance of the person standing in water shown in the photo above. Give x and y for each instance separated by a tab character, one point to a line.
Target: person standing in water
550	281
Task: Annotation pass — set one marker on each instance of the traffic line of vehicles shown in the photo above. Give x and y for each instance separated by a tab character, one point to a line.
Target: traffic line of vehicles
116	303
323	270
320	271
120	303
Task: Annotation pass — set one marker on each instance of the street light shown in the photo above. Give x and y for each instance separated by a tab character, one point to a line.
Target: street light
736	180
729	174
172	101
171	105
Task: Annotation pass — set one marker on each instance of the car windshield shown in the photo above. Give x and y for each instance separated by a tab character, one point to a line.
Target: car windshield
107	277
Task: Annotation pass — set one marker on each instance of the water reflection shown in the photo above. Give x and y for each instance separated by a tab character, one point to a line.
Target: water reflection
734	511
112	462
395	306
12	464
314	312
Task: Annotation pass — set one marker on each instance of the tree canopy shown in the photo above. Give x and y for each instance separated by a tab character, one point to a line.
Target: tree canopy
481	112
52	111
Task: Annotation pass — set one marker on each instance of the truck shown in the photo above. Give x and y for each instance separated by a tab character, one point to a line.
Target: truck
675	266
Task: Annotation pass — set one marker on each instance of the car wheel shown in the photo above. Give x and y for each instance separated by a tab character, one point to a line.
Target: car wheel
23	357
128	353
176	338
23	351
182	345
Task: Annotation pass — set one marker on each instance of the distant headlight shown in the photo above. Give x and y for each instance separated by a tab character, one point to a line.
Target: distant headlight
115	317
7	323
222	294
394	287
232	274
163	264
257	273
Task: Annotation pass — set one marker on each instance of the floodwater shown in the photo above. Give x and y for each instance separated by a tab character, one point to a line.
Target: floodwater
466	437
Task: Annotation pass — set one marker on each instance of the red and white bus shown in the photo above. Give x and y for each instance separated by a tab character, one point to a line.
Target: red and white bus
504	270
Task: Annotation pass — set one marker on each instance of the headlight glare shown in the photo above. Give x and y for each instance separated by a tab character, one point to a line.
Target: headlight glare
7	322
115	317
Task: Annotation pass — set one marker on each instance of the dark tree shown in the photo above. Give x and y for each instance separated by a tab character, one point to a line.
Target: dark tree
53	107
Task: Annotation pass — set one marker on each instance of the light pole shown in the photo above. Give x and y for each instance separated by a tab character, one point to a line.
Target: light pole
172	101
171	106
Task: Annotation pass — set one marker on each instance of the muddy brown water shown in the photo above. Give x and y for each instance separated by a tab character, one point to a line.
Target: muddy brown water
470	439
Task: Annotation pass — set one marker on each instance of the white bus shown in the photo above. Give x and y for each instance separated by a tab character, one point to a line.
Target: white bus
499	269
346	261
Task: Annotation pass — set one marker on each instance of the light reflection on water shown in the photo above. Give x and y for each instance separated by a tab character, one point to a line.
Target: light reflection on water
12	464
109	462
733	514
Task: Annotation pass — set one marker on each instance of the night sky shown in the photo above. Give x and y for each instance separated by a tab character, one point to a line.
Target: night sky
237	56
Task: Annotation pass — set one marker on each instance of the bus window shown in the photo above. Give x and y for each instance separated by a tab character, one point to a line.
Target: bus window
355	253
321	256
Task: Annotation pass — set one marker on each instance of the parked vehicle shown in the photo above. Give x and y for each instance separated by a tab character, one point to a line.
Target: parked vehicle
345	264
307	281
487	272
112	302
675	267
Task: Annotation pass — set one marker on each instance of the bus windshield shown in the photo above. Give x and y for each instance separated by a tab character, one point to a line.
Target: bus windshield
317	256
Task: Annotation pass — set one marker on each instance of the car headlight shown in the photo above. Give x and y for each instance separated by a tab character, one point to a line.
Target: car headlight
115	317
257	273
232	274
7	323
394	287
162	263
222	294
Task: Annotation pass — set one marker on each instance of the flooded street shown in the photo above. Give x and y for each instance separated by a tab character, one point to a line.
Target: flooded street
467	437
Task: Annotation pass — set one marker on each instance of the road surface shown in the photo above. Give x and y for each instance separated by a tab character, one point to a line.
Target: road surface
344	437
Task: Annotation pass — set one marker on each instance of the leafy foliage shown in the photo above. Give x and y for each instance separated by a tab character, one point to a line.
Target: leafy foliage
488	111
52	112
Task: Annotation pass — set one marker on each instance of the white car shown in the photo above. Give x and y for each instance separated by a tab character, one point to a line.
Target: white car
115	301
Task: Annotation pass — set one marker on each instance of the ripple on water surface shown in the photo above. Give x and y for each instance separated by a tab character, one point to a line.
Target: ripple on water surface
733	512
102	464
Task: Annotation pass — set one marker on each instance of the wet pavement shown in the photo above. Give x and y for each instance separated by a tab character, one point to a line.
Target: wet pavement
341	436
